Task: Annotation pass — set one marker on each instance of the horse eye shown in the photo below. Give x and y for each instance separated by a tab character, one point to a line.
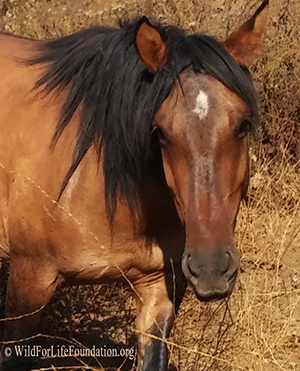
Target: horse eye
160	136
244	128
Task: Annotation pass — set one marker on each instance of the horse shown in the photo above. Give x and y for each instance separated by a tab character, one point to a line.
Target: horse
123	157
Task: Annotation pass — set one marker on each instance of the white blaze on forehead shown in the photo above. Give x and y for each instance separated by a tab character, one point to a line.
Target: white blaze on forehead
201	105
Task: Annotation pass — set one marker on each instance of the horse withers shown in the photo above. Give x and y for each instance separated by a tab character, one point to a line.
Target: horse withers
123	156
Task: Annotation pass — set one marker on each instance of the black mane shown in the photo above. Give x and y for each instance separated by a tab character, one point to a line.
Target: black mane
119	97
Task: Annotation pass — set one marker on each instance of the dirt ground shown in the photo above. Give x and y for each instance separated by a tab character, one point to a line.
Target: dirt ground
258	328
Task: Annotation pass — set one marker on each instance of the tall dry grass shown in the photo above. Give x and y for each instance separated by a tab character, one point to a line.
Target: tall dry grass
258	328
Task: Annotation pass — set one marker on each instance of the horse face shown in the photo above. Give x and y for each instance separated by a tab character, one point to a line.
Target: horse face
202	129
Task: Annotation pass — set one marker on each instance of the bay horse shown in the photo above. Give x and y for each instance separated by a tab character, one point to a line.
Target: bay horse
123	156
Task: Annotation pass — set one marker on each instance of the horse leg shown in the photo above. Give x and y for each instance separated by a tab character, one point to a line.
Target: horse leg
156	309
30	287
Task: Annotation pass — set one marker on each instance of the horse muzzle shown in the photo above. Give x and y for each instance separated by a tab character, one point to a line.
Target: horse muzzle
213	275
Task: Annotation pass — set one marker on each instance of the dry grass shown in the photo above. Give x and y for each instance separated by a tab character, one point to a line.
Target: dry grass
258	329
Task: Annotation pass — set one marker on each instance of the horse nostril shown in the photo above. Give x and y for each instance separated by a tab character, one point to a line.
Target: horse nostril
192	272
227	263
221	266
187	263
231	264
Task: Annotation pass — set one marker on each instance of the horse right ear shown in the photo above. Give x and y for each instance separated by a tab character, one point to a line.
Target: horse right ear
244	43
152	49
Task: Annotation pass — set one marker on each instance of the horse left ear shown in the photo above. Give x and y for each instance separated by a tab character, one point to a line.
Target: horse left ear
152	49
244	43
